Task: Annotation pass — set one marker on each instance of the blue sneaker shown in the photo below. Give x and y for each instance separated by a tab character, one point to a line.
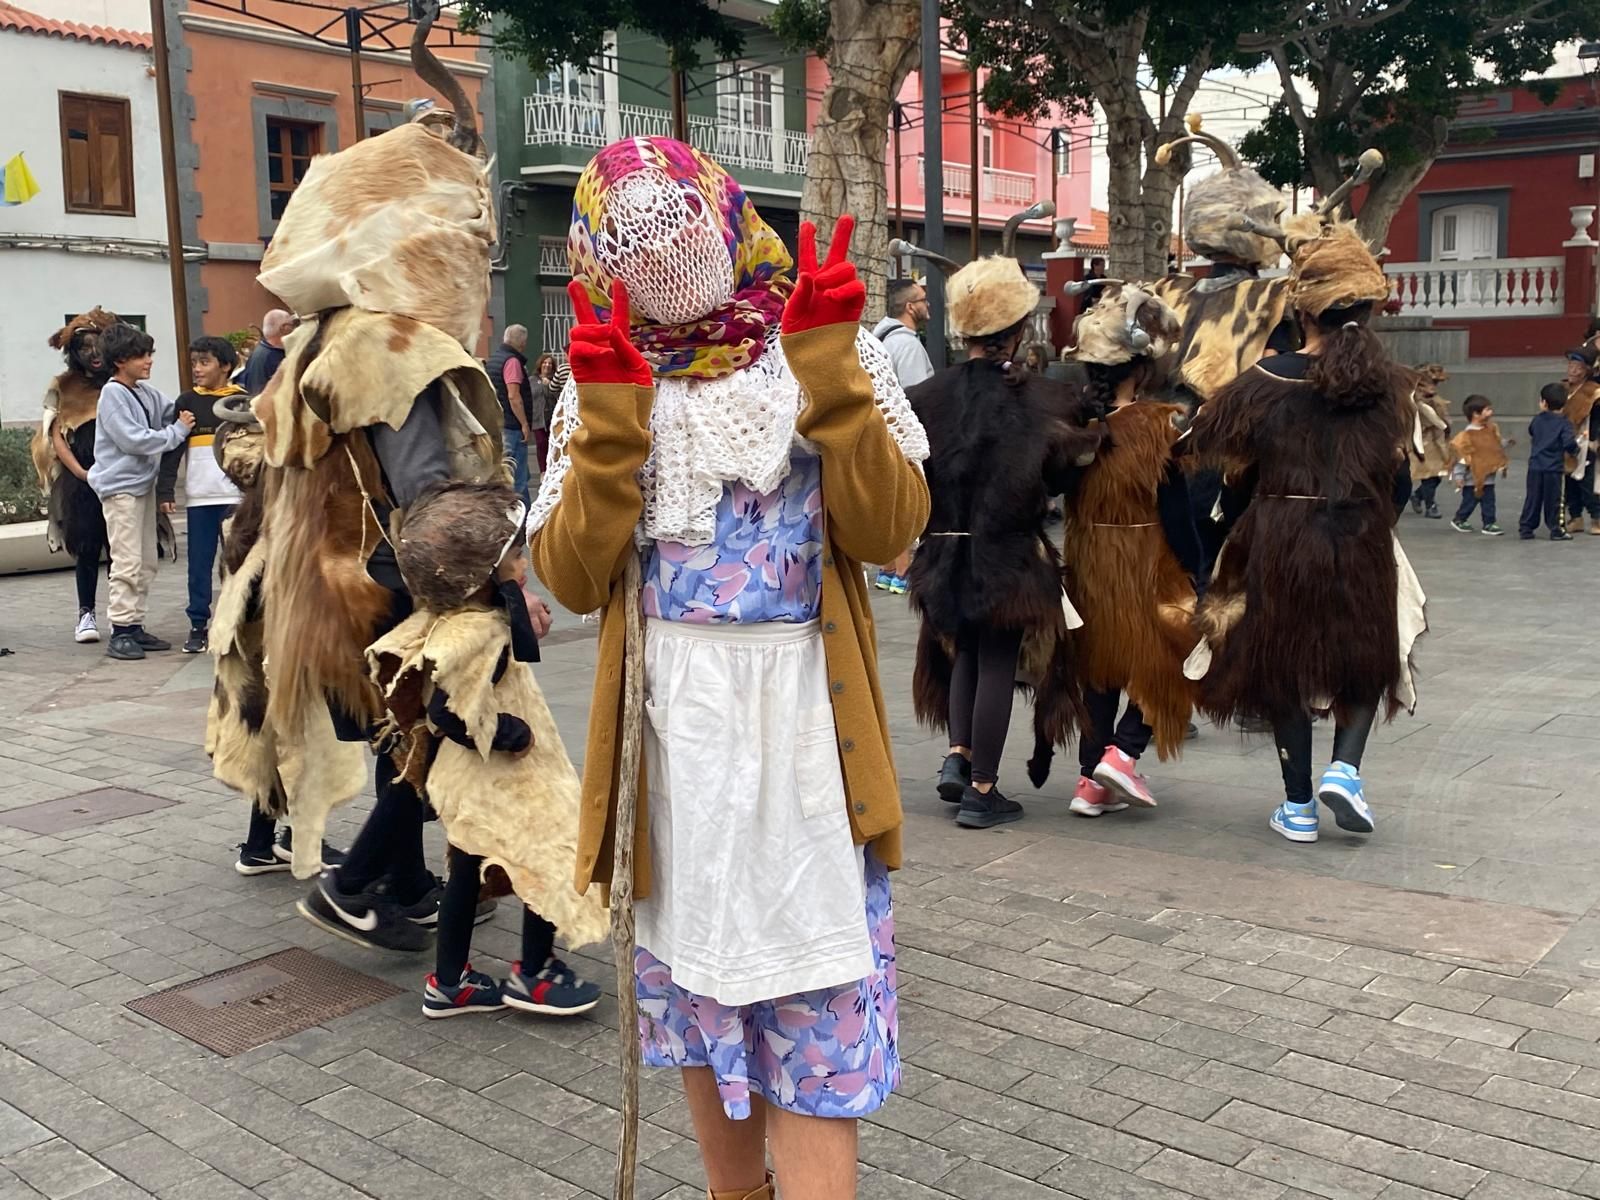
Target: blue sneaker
884	582
1340	790
476	992
898	585
1297	822
556	991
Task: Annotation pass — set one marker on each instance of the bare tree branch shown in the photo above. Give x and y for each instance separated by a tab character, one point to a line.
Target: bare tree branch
1264	42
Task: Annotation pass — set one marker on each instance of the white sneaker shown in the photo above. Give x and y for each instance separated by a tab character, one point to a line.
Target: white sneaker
87	630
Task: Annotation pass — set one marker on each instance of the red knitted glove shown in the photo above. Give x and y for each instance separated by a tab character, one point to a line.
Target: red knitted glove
602	353
831	295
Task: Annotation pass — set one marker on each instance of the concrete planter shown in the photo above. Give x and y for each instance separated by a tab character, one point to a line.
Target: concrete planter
23	548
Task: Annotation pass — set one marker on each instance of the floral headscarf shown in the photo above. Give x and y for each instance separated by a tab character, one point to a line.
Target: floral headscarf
652	211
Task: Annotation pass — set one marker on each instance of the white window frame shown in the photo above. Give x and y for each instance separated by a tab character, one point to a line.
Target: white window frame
1061	156
740	138
1452	225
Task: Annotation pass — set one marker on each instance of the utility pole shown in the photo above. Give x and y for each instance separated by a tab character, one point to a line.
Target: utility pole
169	172
899	210
932	173
977	171
352	39
680	101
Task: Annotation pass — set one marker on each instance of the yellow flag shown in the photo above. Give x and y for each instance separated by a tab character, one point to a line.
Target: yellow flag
20	185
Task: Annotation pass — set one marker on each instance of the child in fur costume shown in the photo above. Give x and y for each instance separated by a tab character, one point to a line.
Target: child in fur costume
1132	554
1433	456
1480	452
458	684
63	452
1583	413
1313	608
987	581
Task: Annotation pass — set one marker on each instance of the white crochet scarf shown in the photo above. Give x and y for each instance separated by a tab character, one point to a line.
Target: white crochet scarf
707	433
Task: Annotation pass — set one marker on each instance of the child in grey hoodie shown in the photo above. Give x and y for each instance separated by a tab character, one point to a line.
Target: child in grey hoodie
135	428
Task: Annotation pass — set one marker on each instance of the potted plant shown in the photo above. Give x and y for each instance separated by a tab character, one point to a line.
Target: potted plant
23	545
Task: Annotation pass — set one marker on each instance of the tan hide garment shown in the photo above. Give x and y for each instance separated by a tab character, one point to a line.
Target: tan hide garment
519	813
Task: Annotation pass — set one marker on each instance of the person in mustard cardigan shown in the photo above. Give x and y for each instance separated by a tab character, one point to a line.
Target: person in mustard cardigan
749	439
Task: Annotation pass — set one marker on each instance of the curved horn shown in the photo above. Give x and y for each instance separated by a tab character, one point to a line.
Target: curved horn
901	248
1266	229
234	409
426	64
1008	236
1078	287
1366	166
1226	154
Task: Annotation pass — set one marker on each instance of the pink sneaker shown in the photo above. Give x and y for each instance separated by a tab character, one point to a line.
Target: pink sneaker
1121	774
1091	799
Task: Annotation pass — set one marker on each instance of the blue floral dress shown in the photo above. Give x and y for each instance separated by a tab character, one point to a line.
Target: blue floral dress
826	1053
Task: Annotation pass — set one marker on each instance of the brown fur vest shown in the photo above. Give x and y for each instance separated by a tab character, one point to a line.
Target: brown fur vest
1301	611
998	450
1135	598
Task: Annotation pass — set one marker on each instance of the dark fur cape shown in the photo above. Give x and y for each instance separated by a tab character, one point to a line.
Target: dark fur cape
999	448
1136	599
1301	611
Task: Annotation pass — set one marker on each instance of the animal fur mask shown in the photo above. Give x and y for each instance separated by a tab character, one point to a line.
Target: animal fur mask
1211	212
989	295
1126	323
1335	270
74	338
399	223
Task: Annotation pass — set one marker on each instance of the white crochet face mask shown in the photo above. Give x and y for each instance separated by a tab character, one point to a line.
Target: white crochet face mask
661	238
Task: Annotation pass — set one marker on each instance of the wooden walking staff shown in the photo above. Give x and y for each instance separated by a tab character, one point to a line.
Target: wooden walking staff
622	943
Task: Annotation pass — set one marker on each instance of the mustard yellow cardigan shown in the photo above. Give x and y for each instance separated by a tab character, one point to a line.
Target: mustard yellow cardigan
874	503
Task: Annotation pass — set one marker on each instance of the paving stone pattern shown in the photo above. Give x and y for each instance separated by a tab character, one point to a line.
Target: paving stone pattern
1057	1041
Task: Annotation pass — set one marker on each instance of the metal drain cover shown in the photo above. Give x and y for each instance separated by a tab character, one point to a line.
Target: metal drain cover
86	808
247	1006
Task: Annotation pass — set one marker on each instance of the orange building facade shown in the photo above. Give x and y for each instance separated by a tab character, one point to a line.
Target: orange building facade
258	93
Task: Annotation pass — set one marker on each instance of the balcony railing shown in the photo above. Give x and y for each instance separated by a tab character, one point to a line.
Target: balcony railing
1489	287
555	326
572	121
1010	188
553	257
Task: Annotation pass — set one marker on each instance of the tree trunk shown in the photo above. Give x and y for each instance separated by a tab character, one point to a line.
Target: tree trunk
1160	190
872	47
1125	189
1384	198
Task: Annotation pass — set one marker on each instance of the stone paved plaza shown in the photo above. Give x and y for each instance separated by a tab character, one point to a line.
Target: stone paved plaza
1172	1003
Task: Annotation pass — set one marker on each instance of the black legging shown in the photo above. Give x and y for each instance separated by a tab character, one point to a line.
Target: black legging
87	570
1293	737
982	682
390	843
456	911
1130	735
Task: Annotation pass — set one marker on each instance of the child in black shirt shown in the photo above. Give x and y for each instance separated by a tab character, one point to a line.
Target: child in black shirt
1551	440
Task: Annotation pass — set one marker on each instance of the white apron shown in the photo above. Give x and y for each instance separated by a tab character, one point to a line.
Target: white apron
758	889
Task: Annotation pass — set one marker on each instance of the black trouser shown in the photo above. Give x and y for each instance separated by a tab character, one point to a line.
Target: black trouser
1580	494
1471	500
87	567
262	827
1130	735
1427	489
982	682
1544	499
390	843
1293	737
456	910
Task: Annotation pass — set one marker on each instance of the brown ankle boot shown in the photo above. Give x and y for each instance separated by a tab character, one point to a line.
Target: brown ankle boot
764	1192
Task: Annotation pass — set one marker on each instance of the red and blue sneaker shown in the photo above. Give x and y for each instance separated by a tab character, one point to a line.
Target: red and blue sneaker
556	991
476	992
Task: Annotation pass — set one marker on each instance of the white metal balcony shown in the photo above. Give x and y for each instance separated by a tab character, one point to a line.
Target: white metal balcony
1010	188
574	121
553	257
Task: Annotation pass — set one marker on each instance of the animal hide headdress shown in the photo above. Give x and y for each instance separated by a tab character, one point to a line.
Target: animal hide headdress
399	223
1127	322
1334	270
97	319
1213	205
989	295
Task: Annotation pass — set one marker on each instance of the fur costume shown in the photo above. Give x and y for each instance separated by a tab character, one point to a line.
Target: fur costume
70	403
988	296
1483	452
1211	212
1137	601
1333	269
1431	444
993	445
1301	613
1580	403
1127	322
1225	323
519	812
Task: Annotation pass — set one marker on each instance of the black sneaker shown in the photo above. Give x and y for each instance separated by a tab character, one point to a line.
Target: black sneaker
555	991
258	862
198	641
474	992
1191	732
485	911
124	646
148	640
424	910
363	918
954	777
980	810
1561	535
1524	535
332	856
